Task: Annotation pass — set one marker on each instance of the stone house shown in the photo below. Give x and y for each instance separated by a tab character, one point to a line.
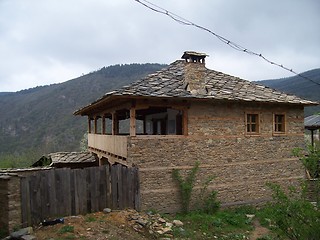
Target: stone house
239	131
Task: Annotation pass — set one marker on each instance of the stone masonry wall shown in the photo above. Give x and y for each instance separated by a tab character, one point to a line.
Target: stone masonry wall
242	164
10	202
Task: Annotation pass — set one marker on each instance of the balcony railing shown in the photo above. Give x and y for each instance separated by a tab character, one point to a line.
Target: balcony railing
111	144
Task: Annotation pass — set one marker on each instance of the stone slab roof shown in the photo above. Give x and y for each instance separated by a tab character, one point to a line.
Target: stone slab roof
312	122
71	157
170	83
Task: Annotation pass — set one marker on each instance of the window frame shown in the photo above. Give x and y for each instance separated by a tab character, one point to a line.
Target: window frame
250	123
283	123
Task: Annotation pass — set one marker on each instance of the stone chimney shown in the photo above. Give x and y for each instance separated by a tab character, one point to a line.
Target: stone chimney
195	72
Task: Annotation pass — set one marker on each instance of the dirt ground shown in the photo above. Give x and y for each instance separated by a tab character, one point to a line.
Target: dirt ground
92	226
114	225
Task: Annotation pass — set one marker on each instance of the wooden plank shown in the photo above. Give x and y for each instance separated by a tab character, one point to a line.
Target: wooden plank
72	192
120	186
114	187
136	189
80	191
102	188
51	188
35	200
94	175
25	202
125	187
88	192
44	193
60	191
130	180
108	186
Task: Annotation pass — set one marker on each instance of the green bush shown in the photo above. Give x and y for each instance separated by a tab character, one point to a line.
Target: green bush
292	216
186	185
311	160
206	202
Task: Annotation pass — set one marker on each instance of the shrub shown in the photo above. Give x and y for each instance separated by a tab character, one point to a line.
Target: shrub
292	215
207	201
186	186
311	160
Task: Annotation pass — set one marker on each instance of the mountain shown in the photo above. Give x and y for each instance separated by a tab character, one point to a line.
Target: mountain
299	86
41	119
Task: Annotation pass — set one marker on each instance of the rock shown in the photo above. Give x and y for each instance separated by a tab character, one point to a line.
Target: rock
142	222
166	230
21	232
169	224
177	223
107	210
28	237
250	216
160	232
161	220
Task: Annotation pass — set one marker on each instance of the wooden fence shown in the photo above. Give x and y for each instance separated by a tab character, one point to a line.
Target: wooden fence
63	192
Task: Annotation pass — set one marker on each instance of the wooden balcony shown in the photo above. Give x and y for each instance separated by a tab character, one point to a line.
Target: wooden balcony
109	144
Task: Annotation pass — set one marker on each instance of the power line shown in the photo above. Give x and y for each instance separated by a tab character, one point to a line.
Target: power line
231	44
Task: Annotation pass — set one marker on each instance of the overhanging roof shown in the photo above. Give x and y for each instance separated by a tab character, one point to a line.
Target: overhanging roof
170	83
312	122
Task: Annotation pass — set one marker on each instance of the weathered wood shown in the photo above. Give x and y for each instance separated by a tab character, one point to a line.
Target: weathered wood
116	145
62	192
114	187
132	121
25	202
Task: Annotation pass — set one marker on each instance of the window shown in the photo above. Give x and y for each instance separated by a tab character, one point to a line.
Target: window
279	123
252	123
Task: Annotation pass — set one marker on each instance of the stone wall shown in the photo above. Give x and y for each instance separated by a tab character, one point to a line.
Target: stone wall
10	202
242	164
10	198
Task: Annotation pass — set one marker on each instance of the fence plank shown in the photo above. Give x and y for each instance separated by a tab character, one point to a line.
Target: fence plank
25	202
62	192
94	175
102	188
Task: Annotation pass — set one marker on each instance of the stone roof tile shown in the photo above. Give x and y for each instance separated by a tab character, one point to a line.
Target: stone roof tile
170	82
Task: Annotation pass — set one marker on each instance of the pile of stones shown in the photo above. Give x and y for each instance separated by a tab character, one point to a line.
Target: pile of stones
153	223
22	234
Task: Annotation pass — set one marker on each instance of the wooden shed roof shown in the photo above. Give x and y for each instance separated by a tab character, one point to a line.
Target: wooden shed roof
71	157
170	83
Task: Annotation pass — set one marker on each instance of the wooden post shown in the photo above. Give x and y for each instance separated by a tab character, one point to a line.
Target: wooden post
312	138
115	125
95	125
103	124
132	121
89	125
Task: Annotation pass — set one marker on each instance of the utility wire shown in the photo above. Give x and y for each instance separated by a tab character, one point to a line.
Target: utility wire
231	44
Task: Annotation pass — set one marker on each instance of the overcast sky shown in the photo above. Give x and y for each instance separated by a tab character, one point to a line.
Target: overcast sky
50	41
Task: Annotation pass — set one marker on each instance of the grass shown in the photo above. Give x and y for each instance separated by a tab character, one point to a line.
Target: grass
90	218
66	229
225	224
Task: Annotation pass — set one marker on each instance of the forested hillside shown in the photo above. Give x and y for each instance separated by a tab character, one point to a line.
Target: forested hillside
300	87
41	119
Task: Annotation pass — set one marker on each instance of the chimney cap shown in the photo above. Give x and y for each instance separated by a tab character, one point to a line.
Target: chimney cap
191	56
